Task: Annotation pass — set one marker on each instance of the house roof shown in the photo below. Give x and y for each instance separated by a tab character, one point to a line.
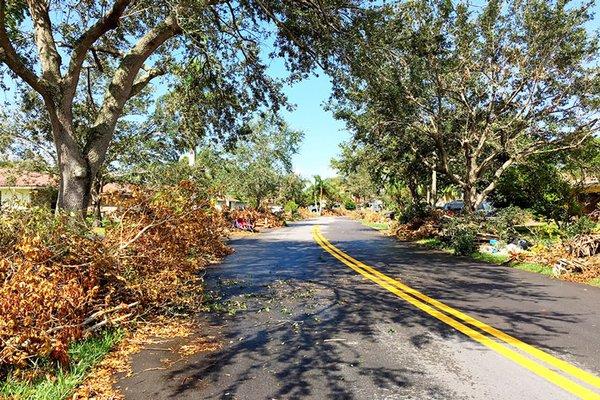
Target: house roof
14	178
591	185
229	198
114	187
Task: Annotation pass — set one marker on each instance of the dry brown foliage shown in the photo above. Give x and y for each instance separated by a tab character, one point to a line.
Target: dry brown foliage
336	212
418	228
592	271
584	245
411	231
63	279
580	250
304	213
368	216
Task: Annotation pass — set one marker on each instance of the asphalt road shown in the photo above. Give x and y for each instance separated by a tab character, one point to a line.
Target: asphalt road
301	324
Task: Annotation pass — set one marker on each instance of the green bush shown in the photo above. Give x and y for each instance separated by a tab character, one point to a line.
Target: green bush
463	241
460	234
583	226
506	220
547	232
538	186
291	207
413	212
350	205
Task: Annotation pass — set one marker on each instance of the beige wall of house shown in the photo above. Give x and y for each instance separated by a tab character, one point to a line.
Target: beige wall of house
231	204
15	197
24	197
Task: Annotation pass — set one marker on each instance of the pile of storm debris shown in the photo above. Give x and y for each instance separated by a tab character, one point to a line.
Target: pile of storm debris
582	258
253	220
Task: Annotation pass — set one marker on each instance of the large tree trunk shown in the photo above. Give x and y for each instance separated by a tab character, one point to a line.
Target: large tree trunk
470	198
75	186
75	175
434	195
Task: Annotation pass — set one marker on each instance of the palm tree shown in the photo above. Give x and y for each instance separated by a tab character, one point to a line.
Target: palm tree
323	188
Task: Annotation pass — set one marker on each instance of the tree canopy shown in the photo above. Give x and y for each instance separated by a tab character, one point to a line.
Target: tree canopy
262	163
469	92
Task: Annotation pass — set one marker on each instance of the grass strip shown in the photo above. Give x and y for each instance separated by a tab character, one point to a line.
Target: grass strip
595	282
490	258
533	267
433	243
380	226
60	385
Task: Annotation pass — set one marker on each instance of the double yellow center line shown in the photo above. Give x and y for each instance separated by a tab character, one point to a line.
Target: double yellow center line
496	340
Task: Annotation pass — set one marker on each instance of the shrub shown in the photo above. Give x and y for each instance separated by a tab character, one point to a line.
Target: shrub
350	205
460	234
546	232
413	212
61	280
506	220
291	207
463	241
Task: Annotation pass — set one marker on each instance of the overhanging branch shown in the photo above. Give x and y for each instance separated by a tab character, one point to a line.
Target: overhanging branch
9	56
50	60
83	44
143	81
122	86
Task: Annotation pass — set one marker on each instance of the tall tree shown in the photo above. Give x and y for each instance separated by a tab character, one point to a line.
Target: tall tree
262	160
358	168
473	91
115	48
322	190
291	188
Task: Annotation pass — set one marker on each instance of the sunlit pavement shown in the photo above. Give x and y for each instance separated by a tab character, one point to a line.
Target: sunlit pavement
306	325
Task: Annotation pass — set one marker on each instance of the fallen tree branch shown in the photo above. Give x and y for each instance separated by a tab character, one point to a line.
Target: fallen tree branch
100	313
106	321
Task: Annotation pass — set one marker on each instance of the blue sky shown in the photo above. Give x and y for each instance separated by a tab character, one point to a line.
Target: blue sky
323	133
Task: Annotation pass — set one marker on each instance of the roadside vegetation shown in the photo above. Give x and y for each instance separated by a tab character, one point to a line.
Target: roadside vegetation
512	237
491	258
46	383
66	280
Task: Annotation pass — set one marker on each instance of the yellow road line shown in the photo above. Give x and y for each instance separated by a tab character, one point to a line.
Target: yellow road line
403	291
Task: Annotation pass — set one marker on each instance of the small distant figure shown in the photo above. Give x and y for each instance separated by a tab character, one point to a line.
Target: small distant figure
244	225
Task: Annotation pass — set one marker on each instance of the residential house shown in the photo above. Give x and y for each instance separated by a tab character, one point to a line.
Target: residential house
22	188
230	203
589	194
